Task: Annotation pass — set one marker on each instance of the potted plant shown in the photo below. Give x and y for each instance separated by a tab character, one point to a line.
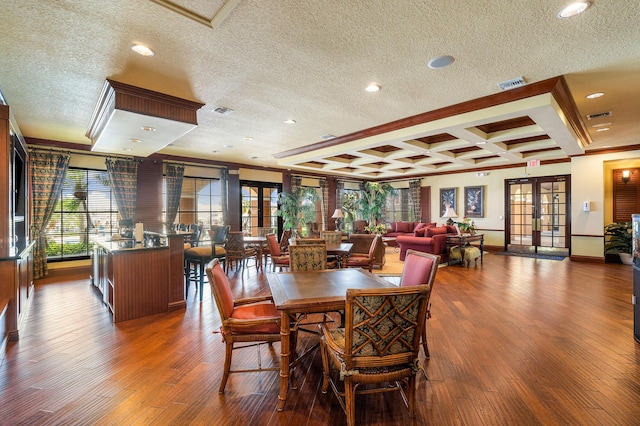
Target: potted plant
295	207
619	240
467	226
373	198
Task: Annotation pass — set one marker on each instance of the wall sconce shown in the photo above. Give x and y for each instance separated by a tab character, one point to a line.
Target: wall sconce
626	175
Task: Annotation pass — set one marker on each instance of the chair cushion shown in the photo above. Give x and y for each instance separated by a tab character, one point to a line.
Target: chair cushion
416	270
221	282
337	335
430	232
257	311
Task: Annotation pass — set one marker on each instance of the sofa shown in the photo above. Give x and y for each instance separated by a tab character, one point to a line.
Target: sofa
362	244
397	229
434	241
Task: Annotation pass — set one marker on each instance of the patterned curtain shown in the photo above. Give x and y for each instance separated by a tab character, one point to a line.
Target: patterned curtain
173	179
414	196
224	194
324	187
123	175
339	193
48	171
296	182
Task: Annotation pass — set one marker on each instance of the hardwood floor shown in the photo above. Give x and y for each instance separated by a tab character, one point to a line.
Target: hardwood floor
512	341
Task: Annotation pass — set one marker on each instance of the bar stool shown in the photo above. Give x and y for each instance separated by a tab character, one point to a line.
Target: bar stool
196	258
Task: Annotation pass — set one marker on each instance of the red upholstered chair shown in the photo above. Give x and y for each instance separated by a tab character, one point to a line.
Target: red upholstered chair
254	319
358	260
420	269
277	258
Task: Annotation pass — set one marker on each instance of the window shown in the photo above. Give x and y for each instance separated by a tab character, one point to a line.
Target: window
259	206
85	207
200	203
398	206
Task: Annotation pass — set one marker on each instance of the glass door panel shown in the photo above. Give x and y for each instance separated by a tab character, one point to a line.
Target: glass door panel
259	206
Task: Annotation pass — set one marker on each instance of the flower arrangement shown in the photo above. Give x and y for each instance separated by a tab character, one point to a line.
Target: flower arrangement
379	228
467	226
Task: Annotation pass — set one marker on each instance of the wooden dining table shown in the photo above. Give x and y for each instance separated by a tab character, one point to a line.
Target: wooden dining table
341	251
312	292
258	242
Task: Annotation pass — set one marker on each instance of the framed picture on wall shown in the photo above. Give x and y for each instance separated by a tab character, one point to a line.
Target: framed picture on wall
474	201
448	197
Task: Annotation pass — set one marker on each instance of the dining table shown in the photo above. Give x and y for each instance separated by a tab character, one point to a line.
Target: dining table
340	251
259	243
309	292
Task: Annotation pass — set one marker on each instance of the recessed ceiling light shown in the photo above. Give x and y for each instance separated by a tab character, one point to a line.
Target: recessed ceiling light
227	146
148	128
248	138
290	121
127	149
602	124
573	9
602	129
372	87
595	95
606	146
440	62
215	151
143	50
135	140
481	143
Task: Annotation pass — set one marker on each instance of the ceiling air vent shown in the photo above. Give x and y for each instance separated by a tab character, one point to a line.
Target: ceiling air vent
599	115
223	110
512	84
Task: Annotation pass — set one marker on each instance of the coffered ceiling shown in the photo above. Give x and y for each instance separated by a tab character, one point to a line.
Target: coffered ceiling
271	61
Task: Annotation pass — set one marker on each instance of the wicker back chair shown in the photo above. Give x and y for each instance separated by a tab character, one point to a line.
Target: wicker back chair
236	250
379	344
331	237
312	257
277	258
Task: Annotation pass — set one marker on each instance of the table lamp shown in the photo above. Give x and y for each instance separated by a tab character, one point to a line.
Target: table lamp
449	213
337	215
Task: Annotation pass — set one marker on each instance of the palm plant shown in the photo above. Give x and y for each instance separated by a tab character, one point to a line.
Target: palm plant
373	199
295	207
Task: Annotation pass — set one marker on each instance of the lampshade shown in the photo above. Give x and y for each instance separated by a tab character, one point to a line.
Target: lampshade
449	213
337	213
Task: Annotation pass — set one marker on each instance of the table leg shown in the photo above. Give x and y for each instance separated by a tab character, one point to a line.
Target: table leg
285	333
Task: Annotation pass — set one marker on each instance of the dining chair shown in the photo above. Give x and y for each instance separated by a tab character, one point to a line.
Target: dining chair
196	258
312	257
255	320
284	241
365	260
331	237
237	250
420	269
263	231
277	258
378	345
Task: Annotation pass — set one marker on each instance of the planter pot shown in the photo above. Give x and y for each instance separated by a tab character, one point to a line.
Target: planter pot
626	258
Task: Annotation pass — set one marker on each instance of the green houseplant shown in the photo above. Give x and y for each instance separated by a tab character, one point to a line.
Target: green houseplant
373	198
619	240
296	207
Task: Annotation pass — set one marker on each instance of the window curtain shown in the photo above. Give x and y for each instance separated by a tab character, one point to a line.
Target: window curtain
414	195
48	171
173	179
339	193
296	182
224	195
324	187
123	176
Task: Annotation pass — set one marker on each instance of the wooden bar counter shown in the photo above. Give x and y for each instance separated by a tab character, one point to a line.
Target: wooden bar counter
138	279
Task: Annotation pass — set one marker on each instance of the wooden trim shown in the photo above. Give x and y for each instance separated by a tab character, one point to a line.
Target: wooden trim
65	272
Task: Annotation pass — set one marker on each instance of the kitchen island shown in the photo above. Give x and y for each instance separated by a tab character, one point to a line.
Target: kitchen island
139	279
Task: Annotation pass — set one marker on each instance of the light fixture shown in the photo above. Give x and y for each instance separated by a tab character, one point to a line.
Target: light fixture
602	124
440	62
481	143
626	175
602	129
594	95
290	121
227	146
573	9
338	215
143	50
148	128
248	138
482	174
449	213
136	141
372	87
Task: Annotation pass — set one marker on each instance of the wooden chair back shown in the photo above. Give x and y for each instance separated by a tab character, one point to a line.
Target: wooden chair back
331	237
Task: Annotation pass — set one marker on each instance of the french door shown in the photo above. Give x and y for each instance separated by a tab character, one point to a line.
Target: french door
537	218
259	204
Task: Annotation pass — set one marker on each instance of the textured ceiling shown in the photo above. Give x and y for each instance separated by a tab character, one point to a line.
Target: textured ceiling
309	61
